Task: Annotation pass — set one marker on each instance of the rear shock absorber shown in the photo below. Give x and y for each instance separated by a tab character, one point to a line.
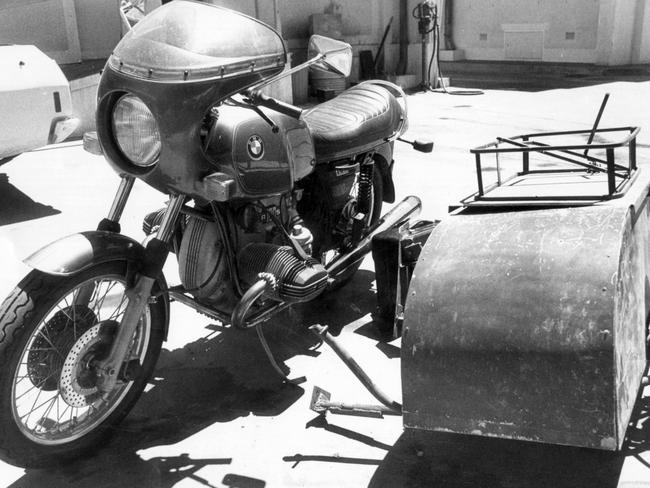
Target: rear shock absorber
364	197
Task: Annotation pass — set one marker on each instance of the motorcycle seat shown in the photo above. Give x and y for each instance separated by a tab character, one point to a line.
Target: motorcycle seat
354	121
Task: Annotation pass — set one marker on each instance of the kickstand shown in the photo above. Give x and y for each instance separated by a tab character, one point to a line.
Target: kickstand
274	363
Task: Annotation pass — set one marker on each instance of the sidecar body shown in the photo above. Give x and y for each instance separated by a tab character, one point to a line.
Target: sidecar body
526	313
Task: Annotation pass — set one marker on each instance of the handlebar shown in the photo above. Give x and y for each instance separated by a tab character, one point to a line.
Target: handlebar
259	98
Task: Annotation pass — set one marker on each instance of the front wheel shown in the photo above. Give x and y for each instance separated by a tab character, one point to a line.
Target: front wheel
52	330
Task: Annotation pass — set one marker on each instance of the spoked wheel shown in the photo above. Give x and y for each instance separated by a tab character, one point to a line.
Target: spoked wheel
53	330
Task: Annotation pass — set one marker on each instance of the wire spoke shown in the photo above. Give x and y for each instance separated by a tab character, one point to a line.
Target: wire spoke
100	303
119	311
35	407
41	410
38	386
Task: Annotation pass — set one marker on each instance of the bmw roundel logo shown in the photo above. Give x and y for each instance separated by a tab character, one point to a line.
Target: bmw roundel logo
255	147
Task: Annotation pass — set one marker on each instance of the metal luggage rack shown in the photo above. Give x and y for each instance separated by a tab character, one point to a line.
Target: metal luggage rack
539	186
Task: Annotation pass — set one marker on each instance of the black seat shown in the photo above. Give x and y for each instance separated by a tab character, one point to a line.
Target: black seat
354	121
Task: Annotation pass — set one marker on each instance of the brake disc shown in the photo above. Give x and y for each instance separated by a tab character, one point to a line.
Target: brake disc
77	383
47	352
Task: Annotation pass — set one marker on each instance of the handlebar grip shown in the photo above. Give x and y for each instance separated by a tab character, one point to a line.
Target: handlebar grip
270	102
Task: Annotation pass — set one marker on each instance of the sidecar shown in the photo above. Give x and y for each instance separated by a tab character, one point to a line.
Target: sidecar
526	315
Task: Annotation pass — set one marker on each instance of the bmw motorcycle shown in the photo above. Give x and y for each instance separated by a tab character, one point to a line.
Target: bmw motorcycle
269	205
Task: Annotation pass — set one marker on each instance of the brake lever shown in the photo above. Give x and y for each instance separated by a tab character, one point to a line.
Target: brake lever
274	128
251	104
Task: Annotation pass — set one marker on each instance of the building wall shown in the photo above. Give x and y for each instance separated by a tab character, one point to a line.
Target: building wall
99	27
587	31
543	30
641	39
50	25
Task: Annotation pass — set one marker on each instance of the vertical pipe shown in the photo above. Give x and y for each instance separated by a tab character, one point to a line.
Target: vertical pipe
611	173
168	223
526	158
632	149
276	16
479	175
402	64
121	197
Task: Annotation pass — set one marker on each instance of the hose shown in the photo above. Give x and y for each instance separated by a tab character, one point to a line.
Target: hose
435	54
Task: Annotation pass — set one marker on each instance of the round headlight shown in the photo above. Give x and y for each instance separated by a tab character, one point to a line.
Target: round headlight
136	131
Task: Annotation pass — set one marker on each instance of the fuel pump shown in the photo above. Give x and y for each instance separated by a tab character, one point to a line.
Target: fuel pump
426	13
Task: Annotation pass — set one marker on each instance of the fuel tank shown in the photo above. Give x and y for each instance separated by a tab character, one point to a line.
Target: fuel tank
530	324
261	159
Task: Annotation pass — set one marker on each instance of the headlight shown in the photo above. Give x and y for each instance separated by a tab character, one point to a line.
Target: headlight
136	131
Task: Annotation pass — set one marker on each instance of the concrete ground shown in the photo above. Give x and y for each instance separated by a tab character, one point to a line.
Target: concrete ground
216	414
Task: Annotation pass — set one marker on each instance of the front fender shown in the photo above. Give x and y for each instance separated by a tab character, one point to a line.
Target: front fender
76	252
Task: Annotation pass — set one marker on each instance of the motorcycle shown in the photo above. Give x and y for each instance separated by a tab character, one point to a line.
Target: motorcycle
269	205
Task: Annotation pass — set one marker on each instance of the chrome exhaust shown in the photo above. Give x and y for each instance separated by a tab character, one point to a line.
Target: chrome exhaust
404	210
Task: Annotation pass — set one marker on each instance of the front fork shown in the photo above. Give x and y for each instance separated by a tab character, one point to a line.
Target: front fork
139	290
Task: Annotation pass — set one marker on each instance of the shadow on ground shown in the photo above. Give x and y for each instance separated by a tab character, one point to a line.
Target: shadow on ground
225	376
214	379
424	459
15	206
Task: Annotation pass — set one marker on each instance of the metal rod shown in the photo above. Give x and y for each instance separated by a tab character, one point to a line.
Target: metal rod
591	166
634	131
592	159
407	208
597	121
251	296
341	352
526	158
479	174
168	223
611	173
121	197
361	410
181	297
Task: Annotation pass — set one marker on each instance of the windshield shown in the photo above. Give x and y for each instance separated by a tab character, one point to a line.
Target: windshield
188	40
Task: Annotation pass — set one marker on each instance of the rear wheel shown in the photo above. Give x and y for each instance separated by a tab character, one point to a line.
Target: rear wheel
52	330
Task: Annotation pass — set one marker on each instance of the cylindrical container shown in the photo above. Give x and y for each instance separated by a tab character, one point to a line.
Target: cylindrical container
303	236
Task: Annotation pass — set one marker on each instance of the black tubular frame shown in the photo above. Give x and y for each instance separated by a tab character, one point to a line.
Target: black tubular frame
619	176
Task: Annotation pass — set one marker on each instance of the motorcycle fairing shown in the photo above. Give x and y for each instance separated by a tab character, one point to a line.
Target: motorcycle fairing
188	41
180	61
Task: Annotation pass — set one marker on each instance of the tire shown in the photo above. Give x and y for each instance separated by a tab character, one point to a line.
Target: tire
50	328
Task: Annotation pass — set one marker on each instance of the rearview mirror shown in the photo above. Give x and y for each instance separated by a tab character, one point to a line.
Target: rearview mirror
333	55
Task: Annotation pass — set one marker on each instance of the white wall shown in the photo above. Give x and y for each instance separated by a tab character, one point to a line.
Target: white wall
99	27
587	31
51	25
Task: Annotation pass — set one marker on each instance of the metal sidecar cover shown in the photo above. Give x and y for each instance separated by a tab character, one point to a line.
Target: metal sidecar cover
530	322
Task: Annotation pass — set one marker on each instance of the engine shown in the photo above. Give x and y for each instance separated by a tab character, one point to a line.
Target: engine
204	267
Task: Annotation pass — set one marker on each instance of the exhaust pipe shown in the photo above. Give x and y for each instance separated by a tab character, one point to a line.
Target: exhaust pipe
404	210
407	208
